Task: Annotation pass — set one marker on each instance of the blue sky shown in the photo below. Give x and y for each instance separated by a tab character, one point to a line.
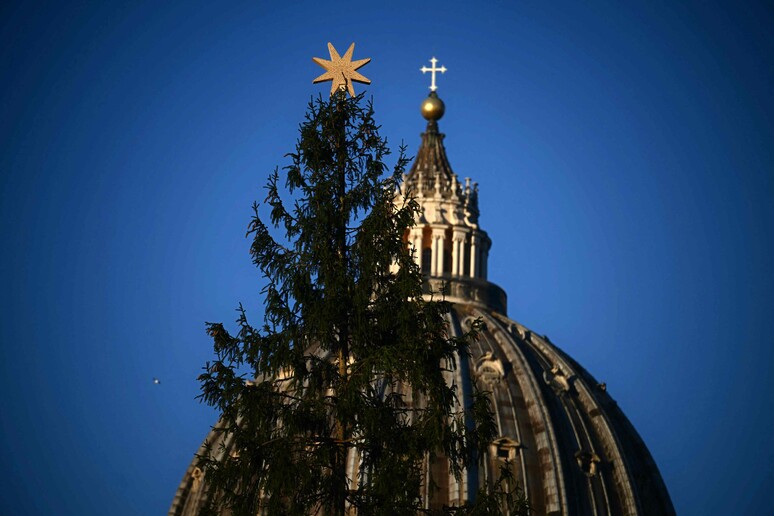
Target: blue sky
626	168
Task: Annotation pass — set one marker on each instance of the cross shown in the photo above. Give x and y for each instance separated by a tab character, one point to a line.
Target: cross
432	71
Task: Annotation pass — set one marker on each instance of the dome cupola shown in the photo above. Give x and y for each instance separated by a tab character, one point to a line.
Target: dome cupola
449	245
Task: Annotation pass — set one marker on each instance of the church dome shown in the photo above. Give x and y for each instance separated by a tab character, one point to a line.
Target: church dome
570	447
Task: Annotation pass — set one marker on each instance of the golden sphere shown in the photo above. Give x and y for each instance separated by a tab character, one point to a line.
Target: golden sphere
432	107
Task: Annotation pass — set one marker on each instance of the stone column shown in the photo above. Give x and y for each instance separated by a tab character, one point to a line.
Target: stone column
474	244
439	256
415	239
436	267
486	244
458	248
455	254
433	254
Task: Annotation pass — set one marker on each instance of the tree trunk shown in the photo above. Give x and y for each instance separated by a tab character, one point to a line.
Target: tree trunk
342	448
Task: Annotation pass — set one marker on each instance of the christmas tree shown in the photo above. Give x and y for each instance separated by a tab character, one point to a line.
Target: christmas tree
337	402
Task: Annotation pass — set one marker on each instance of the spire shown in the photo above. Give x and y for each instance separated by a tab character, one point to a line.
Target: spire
447	242
431	163
449	245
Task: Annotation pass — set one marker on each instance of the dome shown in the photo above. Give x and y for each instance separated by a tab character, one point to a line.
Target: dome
570	447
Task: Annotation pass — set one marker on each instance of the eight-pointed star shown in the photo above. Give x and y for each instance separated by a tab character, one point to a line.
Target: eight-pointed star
341	70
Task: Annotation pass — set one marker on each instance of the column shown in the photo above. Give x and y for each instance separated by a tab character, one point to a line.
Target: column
415	238
474	241
458	250
455	254
439	257
433	254
483	266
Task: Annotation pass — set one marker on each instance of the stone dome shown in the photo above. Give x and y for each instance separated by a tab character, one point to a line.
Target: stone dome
570	446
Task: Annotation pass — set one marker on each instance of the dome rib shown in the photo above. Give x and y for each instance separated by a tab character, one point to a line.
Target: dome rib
622	477
545	487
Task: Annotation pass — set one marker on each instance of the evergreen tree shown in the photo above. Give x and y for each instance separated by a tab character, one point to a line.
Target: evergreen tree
350	360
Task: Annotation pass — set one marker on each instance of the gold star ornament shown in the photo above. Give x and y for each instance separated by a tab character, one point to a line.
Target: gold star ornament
341	70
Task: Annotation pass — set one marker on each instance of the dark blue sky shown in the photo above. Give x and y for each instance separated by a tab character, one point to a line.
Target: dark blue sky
626	166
